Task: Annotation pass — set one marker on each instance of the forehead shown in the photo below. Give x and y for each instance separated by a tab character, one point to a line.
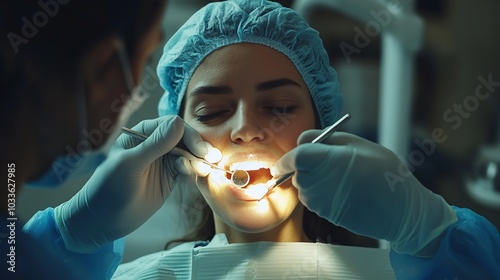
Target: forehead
245	61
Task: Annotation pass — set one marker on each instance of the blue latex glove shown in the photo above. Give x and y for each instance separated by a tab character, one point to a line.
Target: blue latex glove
364	187
129	186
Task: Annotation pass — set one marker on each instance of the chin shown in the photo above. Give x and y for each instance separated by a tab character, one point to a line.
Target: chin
252	222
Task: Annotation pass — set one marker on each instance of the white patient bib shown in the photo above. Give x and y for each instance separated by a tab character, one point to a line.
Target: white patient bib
262	260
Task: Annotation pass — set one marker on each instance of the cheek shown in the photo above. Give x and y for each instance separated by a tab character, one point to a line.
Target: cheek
214	136
288	140
217	136
289	131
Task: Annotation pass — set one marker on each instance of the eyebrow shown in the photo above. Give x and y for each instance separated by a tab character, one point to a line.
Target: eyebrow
276	83
268	85
211	90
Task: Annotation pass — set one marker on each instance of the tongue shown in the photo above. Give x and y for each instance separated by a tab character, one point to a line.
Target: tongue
260	176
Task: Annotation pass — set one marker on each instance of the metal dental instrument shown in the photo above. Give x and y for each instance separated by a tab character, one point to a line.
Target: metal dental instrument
318	139
239	177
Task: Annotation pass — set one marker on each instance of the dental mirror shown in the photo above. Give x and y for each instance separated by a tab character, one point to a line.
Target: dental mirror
240	178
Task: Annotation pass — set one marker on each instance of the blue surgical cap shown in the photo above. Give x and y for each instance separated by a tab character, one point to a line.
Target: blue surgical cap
220	24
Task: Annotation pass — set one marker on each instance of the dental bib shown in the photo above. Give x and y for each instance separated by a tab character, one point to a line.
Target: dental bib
261	260
271	260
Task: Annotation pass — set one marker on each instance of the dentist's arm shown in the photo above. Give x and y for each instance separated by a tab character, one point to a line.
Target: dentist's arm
365	188
129	187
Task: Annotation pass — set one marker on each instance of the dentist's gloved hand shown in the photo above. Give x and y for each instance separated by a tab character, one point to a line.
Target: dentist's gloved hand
365	188
129	186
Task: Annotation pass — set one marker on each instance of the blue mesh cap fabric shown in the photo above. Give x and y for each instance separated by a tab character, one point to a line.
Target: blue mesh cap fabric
225	23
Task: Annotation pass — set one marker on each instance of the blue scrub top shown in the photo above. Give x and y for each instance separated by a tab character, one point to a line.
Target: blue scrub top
39	252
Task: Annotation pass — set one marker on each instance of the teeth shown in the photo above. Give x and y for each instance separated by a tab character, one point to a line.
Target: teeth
248	166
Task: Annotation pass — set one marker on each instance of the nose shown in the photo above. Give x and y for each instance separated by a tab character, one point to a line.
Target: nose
246	126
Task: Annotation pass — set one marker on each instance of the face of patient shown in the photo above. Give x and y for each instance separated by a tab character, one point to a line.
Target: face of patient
251	103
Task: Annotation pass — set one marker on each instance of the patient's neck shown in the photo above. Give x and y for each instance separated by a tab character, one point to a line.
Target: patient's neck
290	230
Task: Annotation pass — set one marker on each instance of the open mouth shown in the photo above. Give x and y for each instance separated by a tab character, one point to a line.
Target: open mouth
260	176
258	172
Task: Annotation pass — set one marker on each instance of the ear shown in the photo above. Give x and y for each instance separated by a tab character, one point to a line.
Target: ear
105	84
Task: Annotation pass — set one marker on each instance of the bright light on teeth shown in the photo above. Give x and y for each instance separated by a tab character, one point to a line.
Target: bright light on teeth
248	165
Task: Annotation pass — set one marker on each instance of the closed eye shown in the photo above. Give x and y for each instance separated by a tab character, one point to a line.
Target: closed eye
211	116
281	110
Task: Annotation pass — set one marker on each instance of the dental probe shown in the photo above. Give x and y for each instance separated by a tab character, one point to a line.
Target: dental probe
318	139
239	177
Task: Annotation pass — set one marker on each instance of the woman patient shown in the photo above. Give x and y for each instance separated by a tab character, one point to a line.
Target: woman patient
255	81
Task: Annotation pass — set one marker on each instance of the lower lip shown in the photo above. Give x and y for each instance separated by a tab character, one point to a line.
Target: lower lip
250	193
